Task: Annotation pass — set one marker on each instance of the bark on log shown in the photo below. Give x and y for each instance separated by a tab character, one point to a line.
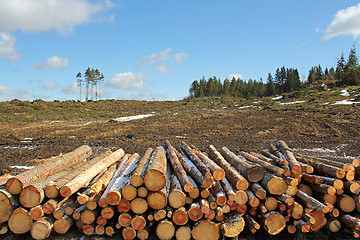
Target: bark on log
63	224
251	172
86	176
205	171
165	230
350	222
42	228
280	161
20	221
273	184
262	163
195	192
77	212
219	194
177	197
205	230
332	171
137	177
36	212
155	177
352	187
233	225
258	190
67	208
228	189
237	180
293	162
302	226
314	202
8	203
15	184
178	168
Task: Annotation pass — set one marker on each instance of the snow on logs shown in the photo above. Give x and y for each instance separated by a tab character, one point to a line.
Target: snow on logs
183	193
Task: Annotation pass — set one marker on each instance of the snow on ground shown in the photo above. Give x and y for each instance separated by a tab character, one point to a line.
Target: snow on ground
250	106
130	118
319	150
277	98
345	102
289	103
344	93
21	167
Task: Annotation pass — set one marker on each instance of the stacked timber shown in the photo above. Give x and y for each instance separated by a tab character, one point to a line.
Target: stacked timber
183	193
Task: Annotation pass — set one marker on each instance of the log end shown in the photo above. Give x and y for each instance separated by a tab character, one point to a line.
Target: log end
242	184
139	205
206	230
31	196
6	207
40	230
188	187
113	197
65	191
14	186
277	186
51	191
61	225
154	180
183	233
241	197
255	174
340	173
274	223
20	221
157	200
129	233
180	217
195	214
177	198
136	180
219	174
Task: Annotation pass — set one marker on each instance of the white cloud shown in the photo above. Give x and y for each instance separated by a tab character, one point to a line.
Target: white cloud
345	22
154	58
7	93
7	47
235	75
44	15
53	62
50	85
127	81
180	56
162	68
72	89
142	95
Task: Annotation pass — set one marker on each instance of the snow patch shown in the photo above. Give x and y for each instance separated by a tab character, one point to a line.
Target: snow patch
250	106
289	103
321	150
345	102
344	93
21	167
277	98
130	118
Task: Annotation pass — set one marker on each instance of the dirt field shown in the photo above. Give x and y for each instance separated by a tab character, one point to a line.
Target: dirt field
334	131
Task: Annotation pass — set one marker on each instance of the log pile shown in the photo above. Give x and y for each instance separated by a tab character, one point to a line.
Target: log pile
183	193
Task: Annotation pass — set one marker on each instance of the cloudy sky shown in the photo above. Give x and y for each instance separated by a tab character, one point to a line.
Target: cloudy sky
155	49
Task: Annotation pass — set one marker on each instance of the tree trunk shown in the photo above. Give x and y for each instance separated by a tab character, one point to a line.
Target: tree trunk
262	163
177	197
237	180
16	184
332	171
314	202
137	177
86	176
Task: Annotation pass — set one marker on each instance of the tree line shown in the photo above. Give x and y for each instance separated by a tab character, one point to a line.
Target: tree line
92	79
285	80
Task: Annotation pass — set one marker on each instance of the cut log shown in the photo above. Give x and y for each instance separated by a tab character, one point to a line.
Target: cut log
262	163
297	210
15	184
77	212
124	219
20	221
128	233
332	171
253	201
88	229
228	189
178	168
352	186
108	212
165	230
194	212
139	205
217	172
205	230
138	223
333	224
237	180
320	220
99	230
273	184
143	233
67	208
258	190
279	160
219	194
137	177
183	233
100	220
8	203
251	172
302	226
157	200
324	188
124	206
142	192
351	223
271	203
314	202
42	228
89	216
180	216
315	179
177	197
346	203
155	177
80	180
129	192
345	166
113	196
3	229
205	171
293	162
251	223
36	212
273	222
194	192
63	224
102	201
93	203
233	225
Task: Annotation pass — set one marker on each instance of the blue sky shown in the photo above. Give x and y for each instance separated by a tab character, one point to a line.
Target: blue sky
154	50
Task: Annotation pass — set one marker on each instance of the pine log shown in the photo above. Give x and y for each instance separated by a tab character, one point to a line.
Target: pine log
273	184
345	166
155	177
143	233
160	215
3	229
178	168
251	223
183	233
100	220
333	224
262	163
42	228
129	192
332	171
84	177
219	194
194	192
273	222
233	225
63	224
237	180
142	192
138	222
89	216
128	233
205	171
205	230
297	210
228	189
124	205
4	178
8	203
15	184
180	216
88	229
352	186
113	196
346	203
320	220
139	205
194	212
67	208
250	171
324	188
306	189
302	226
350	222
124	219
108	212
217	172
193	171
271	203
165	230
258	190
111	230
279	160
177	197
93	203
77	212
36	212
99	230
293	162
305	168
314	202
253	201
137	177
157	200
205	192
20	221
315	179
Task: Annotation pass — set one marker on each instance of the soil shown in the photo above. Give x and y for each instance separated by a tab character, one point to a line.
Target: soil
323	132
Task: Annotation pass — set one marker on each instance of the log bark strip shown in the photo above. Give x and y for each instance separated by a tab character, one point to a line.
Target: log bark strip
137	177
293	163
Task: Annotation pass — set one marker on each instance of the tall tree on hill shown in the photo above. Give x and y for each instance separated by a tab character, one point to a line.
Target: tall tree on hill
79	82
270	86
88	77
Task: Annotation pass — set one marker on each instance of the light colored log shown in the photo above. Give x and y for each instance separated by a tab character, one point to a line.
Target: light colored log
20	221
205	230
42	228
63	224
155	177
137	177
8	203
165	230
